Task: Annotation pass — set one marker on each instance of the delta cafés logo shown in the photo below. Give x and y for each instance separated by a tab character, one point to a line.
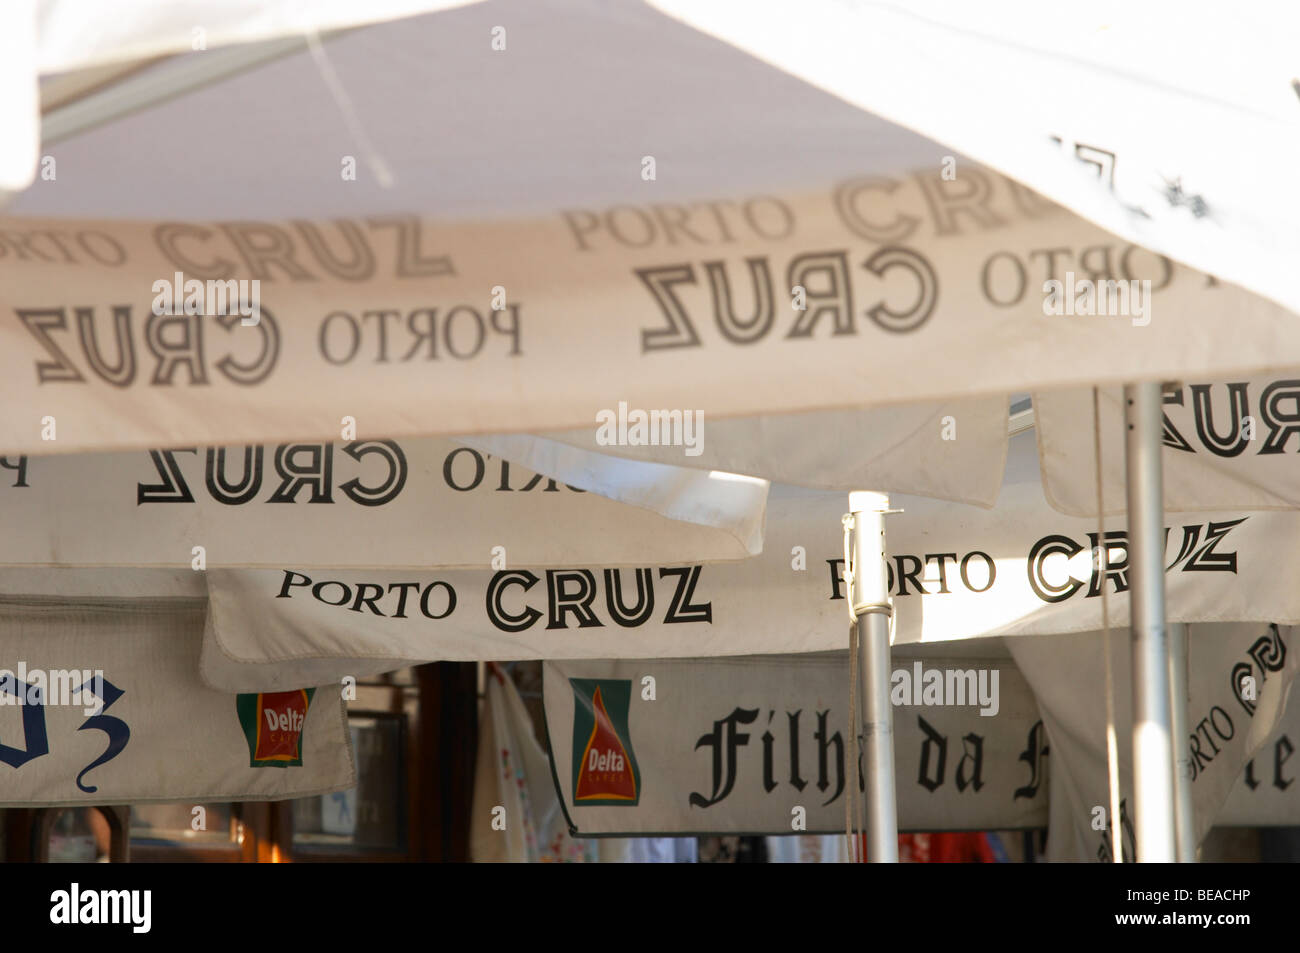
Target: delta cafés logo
604	768
273	723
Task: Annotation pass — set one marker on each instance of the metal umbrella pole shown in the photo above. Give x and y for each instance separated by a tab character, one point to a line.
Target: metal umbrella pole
870	597
1153	761
1184	825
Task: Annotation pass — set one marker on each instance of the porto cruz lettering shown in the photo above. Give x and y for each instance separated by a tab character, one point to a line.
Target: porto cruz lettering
572	598
828	277
302	471
1052	563
173	349
1232	428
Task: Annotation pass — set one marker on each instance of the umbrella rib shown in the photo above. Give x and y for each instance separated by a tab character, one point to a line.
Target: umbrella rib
145	88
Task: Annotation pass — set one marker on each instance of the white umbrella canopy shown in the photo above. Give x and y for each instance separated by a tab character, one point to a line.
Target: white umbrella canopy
1162	122
959	770
951	451
971	744
1227	444
659	232
1226	441
885	239
102	41
413	503
135	631
1264	796
101	700
19	97
955	572
77	34
1226	723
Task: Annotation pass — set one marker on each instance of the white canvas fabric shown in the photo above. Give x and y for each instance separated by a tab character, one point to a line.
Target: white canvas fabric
926	313
1227	729
1227	443
759	746
1265	794
1136	116
155	733
955	572
20	115
76	34
410	503
950	451
728	501
117	583
821	263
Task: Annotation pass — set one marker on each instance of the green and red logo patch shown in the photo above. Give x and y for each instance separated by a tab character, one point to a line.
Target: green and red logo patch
273	723
604	767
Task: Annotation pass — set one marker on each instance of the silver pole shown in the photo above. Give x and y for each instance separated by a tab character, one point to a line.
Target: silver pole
870	587
1184	824
1153	759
